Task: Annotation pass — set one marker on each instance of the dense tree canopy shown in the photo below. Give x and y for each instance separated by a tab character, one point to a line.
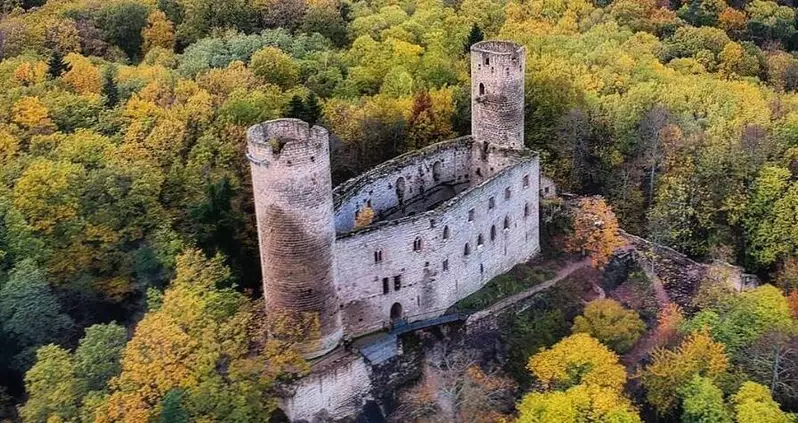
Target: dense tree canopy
122	125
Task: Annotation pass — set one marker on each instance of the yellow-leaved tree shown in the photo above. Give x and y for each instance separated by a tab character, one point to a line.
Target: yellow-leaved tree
29	113
83	76
582	380
364	217
159	32
697	355
612	324
198	343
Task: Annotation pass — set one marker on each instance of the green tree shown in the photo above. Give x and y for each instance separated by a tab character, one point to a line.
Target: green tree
98	354
272	65
110	90
54	392
313	109
753	404
29	310
769	220
56	65
296	108
739	320
474	37
121	24
702	12
172	410
702	402
612	324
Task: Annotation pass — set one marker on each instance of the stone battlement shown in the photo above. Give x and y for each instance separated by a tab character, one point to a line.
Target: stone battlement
286	142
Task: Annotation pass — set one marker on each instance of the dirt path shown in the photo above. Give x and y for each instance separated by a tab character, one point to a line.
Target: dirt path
509	301
645	344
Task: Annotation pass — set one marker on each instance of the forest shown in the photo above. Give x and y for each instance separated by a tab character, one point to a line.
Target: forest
129	269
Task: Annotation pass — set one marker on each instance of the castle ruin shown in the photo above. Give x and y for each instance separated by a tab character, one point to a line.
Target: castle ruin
448	218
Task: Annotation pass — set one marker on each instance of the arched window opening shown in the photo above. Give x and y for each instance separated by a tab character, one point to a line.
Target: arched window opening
506	223
507	193
487	61
466	250
491	203
493	232
417	244
480	240
481	89
436	171
377	256
526	181
400	189
446	232
526	210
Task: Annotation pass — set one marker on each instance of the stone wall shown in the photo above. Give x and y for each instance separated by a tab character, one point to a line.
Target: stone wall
431	260
415	174
680	275
497	93
290	164
331	392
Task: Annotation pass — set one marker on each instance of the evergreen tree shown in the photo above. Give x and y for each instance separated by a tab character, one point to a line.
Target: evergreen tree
474	37
56	65
313	109
172	410
296	108
110	90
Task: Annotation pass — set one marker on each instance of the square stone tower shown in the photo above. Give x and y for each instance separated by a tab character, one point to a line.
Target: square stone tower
497	93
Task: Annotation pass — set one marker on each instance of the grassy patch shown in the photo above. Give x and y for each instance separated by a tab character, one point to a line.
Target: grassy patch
521	277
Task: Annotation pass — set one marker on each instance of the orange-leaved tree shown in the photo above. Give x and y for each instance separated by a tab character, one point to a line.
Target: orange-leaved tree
595	231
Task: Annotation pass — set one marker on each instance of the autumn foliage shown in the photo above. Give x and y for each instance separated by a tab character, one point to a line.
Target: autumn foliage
582	381
595	231
669	370
612	324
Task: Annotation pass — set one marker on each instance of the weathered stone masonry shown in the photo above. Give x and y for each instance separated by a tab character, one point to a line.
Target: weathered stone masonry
293	204
448	218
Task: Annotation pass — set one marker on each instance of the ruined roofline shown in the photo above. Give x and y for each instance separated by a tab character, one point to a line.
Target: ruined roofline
497	47
524	157
353	186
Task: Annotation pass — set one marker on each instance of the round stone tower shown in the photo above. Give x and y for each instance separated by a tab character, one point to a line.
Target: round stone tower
291	181
497	93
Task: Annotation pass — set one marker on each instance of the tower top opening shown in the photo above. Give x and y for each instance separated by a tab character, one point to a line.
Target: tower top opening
497	47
